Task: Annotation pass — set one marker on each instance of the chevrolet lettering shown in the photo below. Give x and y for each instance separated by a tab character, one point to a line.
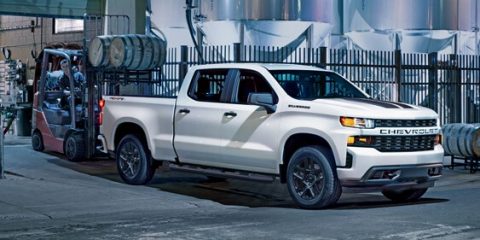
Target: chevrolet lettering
411	131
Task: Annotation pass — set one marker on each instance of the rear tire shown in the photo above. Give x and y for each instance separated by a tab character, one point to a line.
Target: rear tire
74	147
404	196
134	163
37	141
311	179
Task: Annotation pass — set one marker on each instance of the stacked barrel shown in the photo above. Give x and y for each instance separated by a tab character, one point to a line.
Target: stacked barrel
461	139
131	51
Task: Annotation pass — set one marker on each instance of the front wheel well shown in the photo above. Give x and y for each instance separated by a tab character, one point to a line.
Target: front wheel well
297	141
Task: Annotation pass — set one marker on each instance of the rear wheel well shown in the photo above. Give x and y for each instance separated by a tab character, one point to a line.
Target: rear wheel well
297	141
129	128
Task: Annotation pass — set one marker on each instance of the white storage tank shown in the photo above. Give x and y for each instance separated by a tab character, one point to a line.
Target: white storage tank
412	25
274	23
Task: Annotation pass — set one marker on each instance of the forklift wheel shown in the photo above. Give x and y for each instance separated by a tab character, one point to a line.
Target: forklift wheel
37	141
74	147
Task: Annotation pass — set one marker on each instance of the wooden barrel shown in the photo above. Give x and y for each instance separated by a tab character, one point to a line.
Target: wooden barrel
137	52
461	139
98	52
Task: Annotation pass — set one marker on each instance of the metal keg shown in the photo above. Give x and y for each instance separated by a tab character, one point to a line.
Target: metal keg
461	139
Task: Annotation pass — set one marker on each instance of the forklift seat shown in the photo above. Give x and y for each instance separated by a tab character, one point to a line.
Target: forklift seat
52	110
56	116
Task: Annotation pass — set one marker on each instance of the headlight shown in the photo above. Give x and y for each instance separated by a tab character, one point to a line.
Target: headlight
357	122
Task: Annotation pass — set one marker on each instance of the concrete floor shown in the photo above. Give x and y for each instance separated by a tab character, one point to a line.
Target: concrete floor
47	197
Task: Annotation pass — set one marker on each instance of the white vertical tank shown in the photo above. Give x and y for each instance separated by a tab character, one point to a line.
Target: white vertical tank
446	26
274	23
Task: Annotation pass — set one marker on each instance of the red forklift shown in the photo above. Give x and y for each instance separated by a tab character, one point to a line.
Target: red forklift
67	93
64	118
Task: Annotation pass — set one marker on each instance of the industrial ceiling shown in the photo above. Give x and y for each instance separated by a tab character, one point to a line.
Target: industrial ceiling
52	8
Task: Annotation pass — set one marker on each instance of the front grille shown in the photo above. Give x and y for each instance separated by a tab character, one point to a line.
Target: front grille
405	123
403	143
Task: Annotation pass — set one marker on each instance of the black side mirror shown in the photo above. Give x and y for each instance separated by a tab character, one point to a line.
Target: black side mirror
264	100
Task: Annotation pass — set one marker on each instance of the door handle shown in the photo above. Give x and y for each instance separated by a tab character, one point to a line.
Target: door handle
230	114
184	111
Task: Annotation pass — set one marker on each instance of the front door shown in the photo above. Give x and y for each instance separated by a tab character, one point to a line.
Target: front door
248	132
198	119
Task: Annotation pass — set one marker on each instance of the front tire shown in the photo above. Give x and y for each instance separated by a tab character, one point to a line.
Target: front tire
134	163
37	141
74	147
311	178
404	196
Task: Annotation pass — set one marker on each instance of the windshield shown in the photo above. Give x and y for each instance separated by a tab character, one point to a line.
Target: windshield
310	85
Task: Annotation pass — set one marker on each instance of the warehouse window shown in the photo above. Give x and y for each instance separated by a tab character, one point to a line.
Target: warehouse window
63	25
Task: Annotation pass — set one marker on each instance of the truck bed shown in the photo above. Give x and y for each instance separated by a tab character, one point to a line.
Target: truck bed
156	121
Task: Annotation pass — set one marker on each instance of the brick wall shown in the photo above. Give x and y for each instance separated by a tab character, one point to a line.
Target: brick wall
16	35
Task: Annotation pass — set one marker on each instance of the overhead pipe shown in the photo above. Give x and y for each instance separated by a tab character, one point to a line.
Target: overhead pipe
148	18
150	26
188	15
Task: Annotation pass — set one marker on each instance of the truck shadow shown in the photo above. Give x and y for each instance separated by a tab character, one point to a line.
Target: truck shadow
380	202
232	192
257	195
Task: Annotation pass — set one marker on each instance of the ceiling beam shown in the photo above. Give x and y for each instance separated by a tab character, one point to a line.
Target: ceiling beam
52	8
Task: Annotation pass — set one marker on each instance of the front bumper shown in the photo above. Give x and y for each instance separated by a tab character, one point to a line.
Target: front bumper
399	178
406	169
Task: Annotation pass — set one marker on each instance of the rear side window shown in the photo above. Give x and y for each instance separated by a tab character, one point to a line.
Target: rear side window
208	85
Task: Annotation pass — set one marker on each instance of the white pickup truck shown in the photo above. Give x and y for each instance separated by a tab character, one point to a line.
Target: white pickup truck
309	127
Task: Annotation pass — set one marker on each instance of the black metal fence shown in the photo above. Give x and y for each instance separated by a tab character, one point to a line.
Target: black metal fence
448	84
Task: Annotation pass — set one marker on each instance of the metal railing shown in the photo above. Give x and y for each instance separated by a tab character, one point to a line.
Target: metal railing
448	84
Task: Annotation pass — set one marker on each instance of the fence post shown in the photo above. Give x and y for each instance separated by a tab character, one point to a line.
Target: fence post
323	57
237	52
398	73
456	91
2	148
183	65
432	80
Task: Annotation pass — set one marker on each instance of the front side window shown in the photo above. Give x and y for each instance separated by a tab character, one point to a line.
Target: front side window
251	82
311	85
208	85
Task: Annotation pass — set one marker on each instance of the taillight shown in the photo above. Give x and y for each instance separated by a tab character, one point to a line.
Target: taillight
101	104
100	118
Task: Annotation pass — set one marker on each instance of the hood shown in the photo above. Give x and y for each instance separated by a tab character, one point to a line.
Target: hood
371	108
